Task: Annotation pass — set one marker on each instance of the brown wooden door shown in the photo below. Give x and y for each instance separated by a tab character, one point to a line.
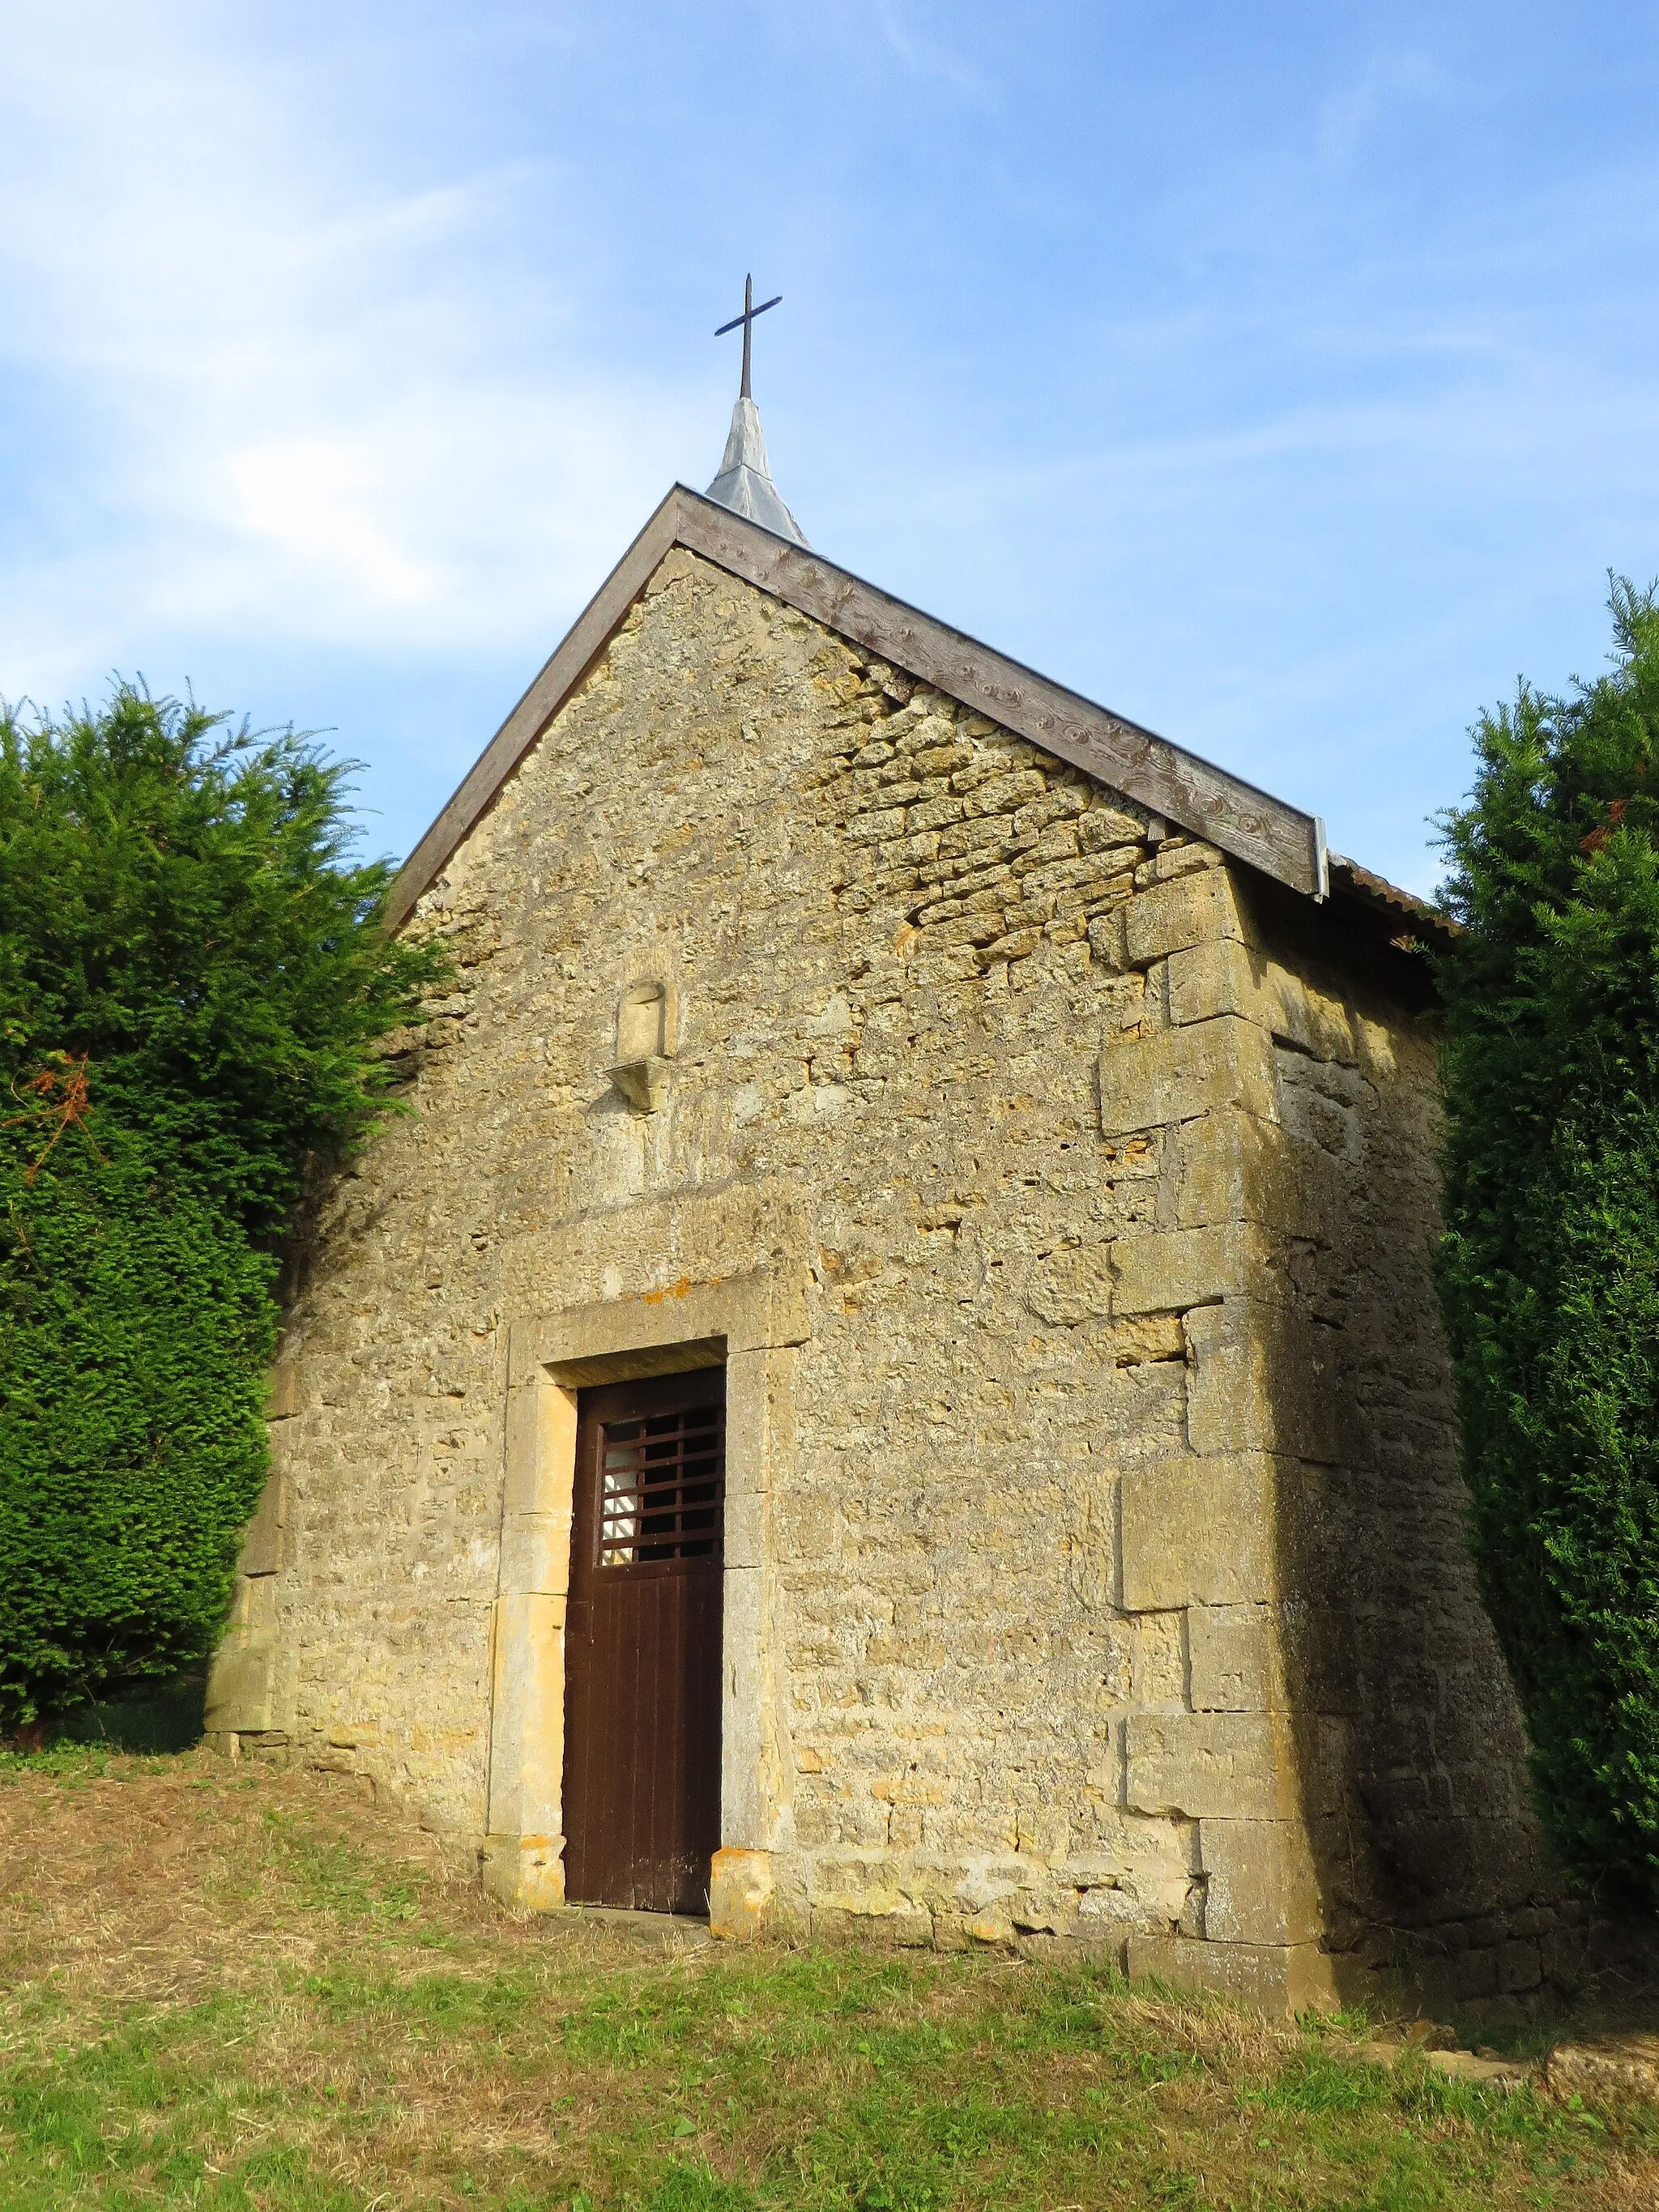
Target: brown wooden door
642	1648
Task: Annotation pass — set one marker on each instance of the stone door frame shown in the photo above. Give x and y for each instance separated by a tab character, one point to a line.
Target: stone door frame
752	1324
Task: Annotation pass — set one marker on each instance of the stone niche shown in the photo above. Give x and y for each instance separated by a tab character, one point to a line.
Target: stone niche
647	1019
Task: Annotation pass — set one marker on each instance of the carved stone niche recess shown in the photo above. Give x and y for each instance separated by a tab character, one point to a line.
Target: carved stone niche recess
646	1025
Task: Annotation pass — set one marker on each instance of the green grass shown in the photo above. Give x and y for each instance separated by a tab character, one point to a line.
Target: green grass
344	2026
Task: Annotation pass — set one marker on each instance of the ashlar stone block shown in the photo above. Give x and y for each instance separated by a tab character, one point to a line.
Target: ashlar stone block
1225	976
1166	1271
1233	1166
263	1544
1199	1531
1210	1765
527	1725
1262	1888
1177	1075
1263	1378
1235	1663
1279	1979
242	1683
1194	909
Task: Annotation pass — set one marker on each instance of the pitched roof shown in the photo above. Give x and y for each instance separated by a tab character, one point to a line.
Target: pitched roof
1251	825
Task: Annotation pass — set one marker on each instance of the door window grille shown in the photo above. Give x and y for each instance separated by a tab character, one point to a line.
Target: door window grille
661	1487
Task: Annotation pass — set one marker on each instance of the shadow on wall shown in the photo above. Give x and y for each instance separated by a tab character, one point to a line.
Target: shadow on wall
150	1719
1411	1754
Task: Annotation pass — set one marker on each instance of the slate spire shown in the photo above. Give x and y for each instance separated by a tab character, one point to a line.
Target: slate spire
744	483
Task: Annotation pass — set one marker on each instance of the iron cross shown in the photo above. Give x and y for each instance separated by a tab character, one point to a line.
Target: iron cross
750	312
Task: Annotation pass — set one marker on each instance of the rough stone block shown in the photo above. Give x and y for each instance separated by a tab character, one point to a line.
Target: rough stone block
1237	1666
1520	1966
1199	1531
1263	1379
1262	1888
1177	1075
1194	909
905	1926
1564	1955
1210	1765
1278	1979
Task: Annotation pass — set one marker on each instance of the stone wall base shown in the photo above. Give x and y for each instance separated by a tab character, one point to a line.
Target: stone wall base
1277	1978
525	1872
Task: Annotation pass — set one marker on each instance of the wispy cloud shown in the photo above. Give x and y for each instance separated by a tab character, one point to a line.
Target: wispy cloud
302	402
1279	378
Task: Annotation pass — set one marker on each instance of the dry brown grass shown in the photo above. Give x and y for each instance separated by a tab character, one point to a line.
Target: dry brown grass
235	1988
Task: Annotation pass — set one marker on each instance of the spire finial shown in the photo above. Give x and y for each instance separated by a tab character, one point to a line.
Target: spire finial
747	317
744	483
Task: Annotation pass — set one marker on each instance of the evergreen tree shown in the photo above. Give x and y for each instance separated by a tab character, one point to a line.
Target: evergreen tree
193	973
1550	1265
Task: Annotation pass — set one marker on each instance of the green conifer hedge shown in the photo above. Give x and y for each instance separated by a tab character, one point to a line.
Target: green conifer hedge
1550	1267
193	975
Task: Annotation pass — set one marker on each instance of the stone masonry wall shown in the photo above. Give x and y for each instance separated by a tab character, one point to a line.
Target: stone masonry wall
1116	1204
1351	1749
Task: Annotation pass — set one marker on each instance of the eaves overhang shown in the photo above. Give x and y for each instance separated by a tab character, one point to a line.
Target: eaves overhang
1189	793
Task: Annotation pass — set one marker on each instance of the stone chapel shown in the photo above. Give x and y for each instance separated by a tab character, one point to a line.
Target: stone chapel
889	1381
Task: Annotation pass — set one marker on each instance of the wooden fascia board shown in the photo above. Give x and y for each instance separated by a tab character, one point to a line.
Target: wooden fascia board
1251	824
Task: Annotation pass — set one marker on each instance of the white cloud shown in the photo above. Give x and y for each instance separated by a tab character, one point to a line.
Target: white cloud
295	402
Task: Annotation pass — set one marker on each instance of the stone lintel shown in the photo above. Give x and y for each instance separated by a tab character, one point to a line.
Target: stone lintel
662	1331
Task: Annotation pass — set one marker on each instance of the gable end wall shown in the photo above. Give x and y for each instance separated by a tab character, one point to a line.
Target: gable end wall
1113	1585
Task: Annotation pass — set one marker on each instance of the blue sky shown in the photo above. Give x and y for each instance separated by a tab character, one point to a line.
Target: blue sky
1285	377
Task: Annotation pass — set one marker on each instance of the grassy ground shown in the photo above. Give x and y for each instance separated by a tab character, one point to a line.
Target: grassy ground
225	1988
